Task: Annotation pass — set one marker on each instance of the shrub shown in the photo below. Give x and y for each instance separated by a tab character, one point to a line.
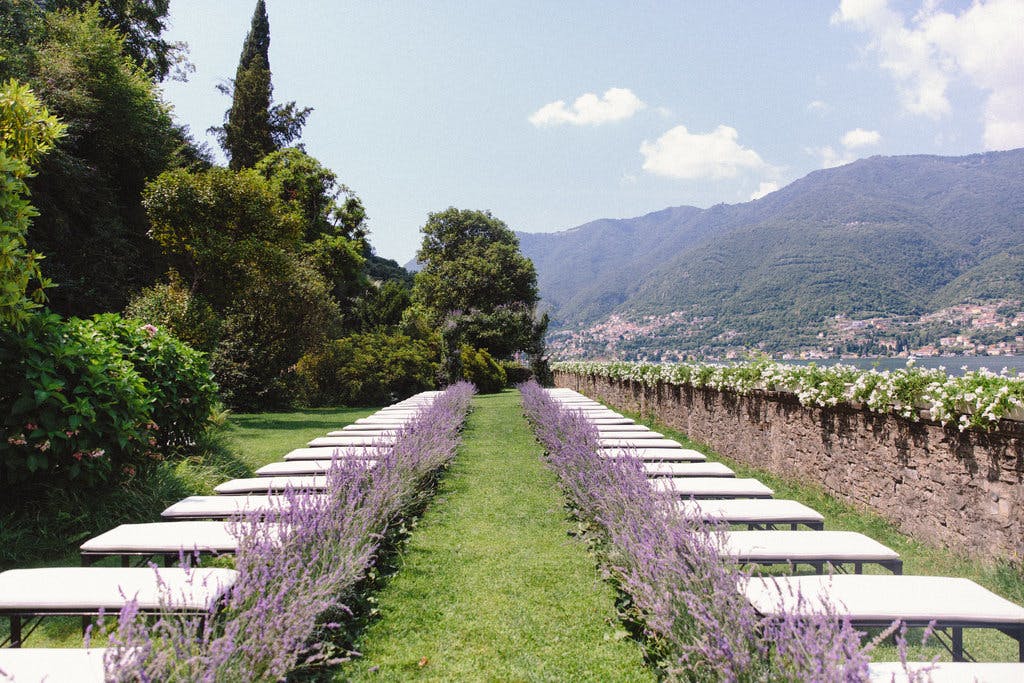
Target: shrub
89	400
173	307
367	369
515	373
482	370
178	377
73	407
284	312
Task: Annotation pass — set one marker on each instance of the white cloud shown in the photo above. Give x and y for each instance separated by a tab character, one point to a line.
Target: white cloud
829	157
682	154
817	105
766	187
589	110
982	44
858	137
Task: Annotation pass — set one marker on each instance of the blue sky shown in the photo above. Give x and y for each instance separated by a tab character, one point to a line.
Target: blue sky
557	112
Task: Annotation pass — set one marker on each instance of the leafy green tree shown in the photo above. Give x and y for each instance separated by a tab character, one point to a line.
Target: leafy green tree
211	224
254	126
88	192
332	217
141	22
20	25
27	131
475	284
472	261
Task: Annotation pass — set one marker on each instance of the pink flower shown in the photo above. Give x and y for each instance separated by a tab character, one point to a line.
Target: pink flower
29	426
150	329
98	453
77	455
44	446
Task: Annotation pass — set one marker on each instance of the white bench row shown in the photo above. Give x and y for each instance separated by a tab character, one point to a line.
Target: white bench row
867	600
28	594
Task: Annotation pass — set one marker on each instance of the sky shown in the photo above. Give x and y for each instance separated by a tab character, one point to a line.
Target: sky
553	113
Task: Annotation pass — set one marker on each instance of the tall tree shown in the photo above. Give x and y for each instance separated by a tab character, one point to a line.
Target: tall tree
254	126
88	191
475	284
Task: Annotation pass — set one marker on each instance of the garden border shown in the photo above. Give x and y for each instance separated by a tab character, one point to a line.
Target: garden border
960	489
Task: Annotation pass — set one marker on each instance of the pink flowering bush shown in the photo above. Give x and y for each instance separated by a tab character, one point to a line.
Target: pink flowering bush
90	400
299	569
682	597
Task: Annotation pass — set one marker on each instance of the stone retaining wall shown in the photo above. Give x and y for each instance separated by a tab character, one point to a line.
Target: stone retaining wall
961	490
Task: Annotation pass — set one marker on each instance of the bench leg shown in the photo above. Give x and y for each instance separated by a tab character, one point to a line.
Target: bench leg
858	567
958	644
15	625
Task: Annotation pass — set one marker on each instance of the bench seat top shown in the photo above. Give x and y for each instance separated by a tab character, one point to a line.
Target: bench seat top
711	487
882	599
80	590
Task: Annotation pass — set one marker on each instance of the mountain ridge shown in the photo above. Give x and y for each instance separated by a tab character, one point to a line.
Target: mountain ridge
899	235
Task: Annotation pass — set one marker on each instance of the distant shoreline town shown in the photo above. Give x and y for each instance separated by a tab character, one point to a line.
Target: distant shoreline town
983	329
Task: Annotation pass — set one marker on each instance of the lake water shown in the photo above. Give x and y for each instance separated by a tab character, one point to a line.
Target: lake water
953	364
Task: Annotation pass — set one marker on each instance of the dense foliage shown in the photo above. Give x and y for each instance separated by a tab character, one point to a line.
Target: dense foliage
89	400
480	368
975	399
119	134
477	287
372	368
27	131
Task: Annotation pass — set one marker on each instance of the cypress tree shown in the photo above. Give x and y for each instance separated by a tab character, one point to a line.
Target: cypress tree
247	131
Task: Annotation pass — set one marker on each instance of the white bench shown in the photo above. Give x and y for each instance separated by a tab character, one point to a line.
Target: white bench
710	487
638	443
879	600
754	513
350	441
687	469
243	487
814	548
161	539
87	591
643	434
52	665
948	672
291	468
349	453
655	454
227	507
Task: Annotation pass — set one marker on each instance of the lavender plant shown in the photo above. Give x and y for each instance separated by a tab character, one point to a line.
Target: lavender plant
298	568
685	599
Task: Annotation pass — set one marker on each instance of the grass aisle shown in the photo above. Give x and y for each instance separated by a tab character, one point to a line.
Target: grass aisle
492	586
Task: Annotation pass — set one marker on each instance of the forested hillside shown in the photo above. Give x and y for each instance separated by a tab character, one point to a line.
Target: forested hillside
881	236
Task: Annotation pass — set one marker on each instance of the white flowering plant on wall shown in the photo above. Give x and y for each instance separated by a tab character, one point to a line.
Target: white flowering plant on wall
978	399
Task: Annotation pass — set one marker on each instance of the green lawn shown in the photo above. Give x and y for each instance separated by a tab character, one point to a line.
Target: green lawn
918	558
50	534
492	586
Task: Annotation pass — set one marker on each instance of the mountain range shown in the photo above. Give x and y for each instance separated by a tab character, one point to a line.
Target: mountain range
883	236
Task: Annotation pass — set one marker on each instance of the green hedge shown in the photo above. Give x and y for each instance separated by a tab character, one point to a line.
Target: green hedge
374	368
